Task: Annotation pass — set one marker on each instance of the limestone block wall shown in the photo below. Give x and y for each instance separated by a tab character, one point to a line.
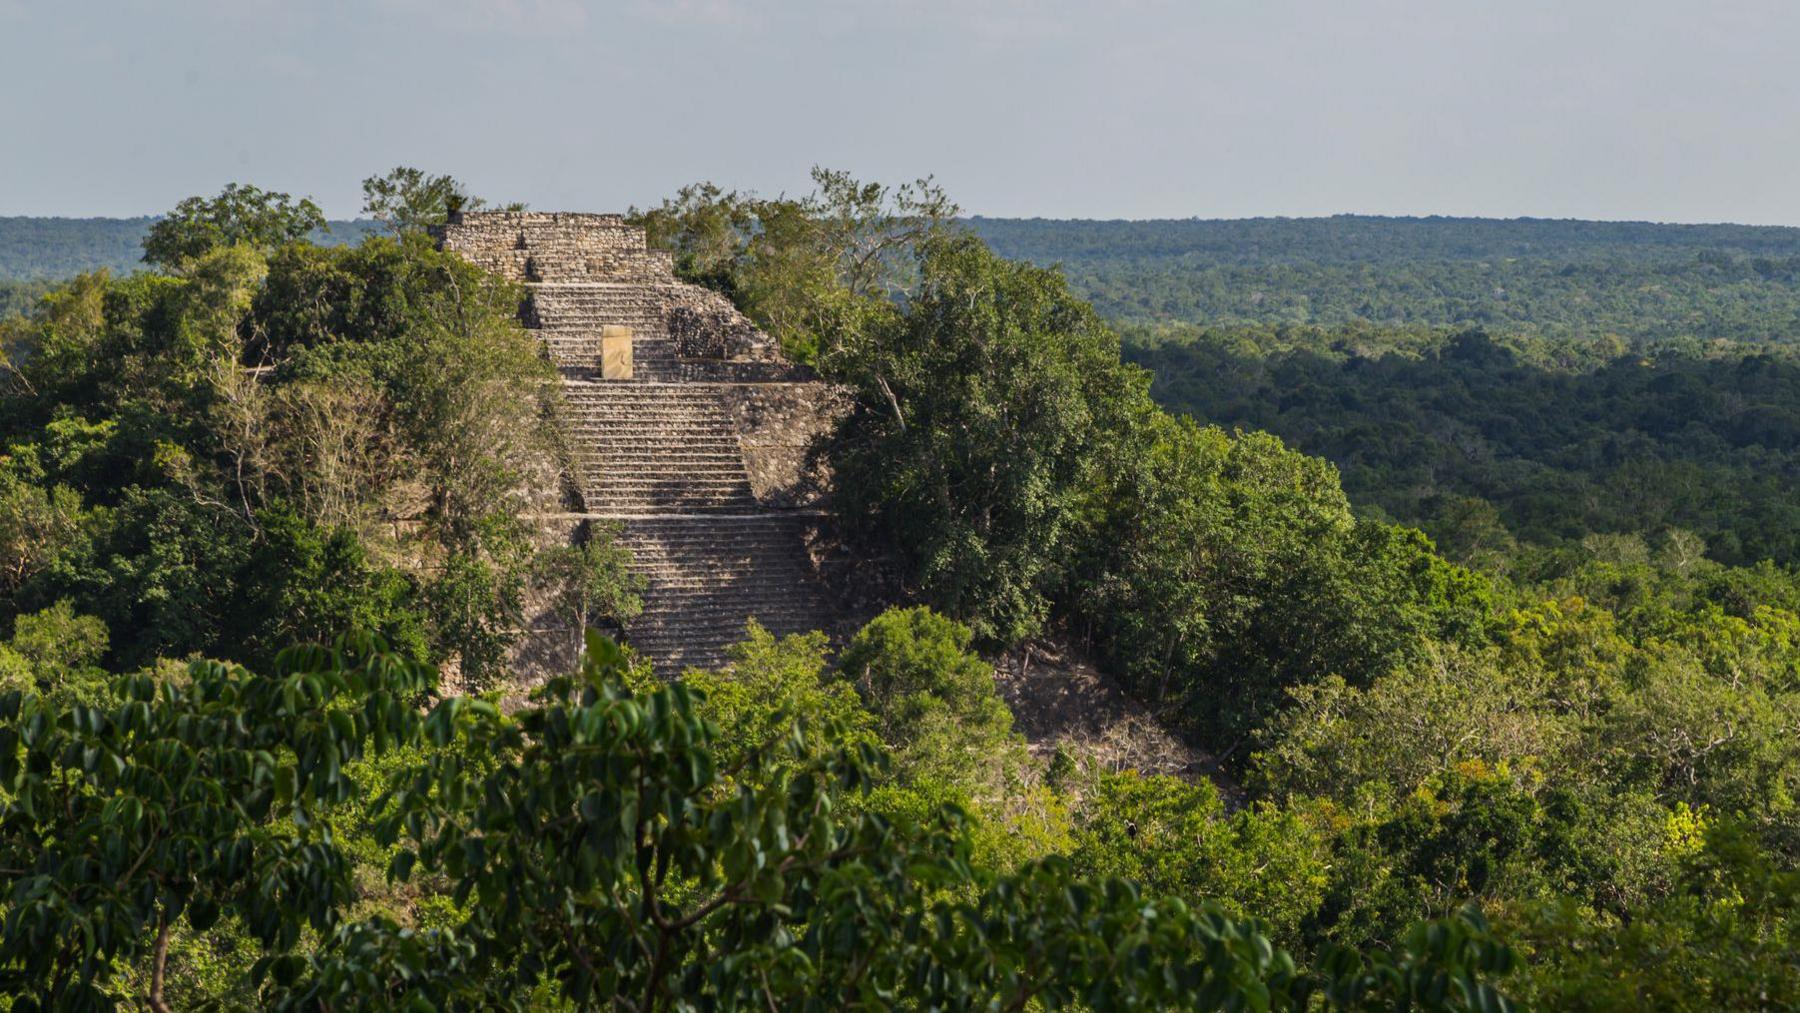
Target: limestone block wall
554	246
587	270
705	325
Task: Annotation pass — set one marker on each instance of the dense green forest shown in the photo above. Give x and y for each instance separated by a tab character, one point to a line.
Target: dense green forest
1502	384
1546	278
33	248
1491	444
1376	240
1456	785
1535	278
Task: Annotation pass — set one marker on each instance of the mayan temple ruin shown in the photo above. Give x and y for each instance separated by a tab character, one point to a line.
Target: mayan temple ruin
687	428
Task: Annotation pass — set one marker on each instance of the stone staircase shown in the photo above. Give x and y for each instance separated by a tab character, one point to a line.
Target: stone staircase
665	460
655	448
662	453
707	575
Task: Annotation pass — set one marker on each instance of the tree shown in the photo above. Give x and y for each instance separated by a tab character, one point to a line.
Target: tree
771	684
933	698
1177	840
589	582
982	415
596	853
303	581
410	200
817	271
279	440
1221	569
56	652
240	214
706	229
36	524
1724	939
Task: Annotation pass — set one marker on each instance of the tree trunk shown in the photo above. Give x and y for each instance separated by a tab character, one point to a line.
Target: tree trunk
158	961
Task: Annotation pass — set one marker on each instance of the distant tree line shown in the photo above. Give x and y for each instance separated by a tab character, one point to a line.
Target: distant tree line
1548	279
39	249
1373	240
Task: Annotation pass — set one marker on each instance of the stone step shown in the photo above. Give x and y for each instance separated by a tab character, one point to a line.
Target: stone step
617	485
659	473
652	448
585	344
674	453
674	456
632	511
670	610
603	421
677	569
673	426
695	413
678	565
601	498
636	440
616	491
605	487
690	599
629	397
709	408
684	454
648	326
686	416
645	397
650	411
618	496
678	562
719	628
724	623
670	431
706	578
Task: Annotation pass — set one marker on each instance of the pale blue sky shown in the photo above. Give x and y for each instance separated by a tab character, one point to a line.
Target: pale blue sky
1638	109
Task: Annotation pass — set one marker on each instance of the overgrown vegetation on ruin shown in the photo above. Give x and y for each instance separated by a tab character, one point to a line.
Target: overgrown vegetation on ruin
1461	783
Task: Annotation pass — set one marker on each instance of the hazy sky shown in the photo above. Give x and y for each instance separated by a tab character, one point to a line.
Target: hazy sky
1634	109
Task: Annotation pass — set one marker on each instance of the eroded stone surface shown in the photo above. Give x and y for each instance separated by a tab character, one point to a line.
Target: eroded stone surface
1060	700
585	271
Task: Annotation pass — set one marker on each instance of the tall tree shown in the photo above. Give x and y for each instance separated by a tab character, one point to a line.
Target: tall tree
983	412
815	271
240	215
410	200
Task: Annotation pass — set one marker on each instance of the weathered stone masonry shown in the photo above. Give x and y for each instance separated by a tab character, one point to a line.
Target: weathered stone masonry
700	455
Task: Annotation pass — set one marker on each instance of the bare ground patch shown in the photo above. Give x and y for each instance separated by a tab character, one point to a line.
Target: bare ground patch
1059	699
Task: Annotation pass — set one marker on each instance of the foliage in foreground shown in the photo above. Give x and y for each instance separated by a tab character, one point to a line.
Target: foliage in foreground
596	853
